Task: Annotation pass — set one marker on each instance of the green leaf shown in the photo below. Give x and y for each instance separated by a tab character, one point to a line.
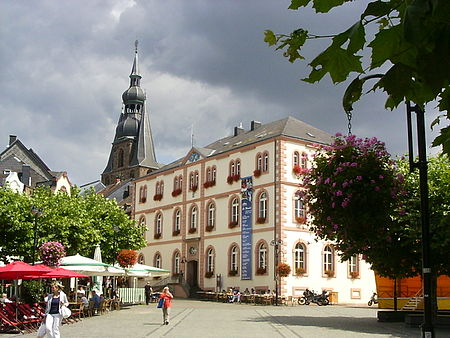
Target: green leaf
295	4
335	61
443	140
384	46
378	9
324	6
355	34
352	94
270	37
397	82
413	28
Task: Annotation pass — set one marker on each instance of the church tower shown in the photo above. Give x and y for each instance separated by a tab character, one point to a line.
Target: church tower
132	153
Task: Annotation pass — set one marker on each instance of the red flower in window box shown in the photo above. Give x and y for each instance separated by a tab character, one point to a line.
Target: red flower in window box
209	274
143	199
300	219
127	258
175	232
236	177
257	172
298	171
157	235
232	224
261	271
230	179
192	230
261	220
354	274
176	192
209	228
207	184
157	197
194	188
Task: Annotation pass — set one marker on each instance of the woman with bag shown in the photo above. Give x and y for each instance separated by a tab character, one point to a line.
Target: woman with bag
166	299
56	309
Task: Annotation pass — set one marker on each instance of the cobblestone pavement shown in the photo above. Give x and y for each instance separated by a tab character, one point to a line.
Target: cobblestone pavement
191	318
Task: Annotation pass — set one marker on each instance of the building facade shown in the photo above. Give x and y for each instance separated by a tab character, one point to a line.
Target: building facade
225	216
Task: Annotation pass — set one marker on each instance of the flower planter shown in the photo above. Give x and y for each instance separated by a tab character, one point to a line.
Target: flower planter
261	220
230	179
209	228
175	232
127	258
192	230
283	269
52	253
209	274
143	199
176	192
329	273
232	273
300	271
354	274
157	236
261	271
300	220
194	188
236	177
157	197
257	172
232	225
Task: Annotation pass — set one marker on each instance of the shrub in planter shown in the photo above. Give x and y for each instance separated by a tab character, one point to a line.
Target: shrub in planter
176	192
209	228
354	274
127	258
232	225
192	230
230	179
261	271
300	271
175	232
52	253
257	172
157	197
236	177
283	269
209	274
329	273
157	236
261	220
143	199
232	273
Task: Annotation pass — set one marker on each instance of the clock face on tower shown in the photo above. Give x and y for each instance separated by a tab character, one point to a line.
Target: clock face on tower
194	157
192	250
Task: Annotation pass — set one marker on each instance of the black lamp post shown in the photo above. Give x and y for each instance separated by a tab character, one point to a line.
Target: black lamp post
276	244
36	212
116	230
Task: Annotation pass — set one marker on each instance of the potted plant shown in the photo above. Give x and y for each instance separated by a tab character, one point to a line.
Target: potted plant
230	179
232	273
354	274
209	274
143	199
209	228
261	220
127	258
192	230
300	219
232	224
157	235
52	253
329	273
257	172
157	197
175	232
261	271
283	269
236	177
300	271
176	192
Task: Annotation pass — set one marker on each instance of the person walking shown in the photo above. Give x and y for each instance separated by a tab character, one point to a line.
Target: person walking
167	296
148	293
55	301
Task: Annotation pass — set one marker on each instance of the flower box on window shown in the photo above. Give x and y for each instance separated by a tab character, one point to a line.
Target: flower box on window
300	219
283	269
176	192
157	197
261	271
157	235
257	172
354	274
209	274
175	232
143	199
192	230
329	273
261	220
298	171
194	188
300	271
230	179
232	273
208	184
236	177
209	228
232	224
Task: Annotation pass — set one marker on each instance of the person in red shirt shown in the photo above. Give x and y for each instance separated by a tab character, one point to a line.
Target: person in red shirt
167	304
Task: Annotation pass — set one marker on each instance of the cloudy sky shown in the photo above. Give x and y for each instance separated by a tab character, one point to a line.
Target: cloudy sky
64	65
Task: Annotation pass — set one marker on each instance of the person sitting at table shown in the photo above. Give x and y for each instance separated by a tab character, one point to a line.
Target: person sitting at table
246	291
84	301
253	291
230	295
237	296
96	298
5	299
80	291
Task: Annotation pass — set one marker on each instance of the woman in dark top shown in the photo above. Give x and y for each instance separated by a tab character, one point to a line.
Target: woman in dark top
55	301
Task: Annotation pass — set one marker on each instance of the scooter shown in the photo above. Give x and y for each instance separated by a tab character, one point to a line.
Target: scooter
373	299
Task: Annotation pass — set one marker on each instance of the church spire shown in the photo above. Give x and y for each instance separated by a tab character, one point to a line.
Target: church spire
135	76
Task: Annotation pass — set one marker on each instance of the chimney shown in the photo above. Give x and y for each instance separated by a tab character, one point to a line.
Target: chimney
254	125
12	139
238	130
26	175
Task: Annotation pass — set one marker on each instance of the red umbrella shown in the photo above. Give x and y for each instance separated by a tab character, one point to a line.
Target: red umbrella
19	270
54	273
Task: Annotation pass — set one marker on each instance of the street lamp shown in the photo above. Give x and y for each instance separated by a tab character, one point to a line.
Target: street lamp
116	230
182	272
36	212
276	244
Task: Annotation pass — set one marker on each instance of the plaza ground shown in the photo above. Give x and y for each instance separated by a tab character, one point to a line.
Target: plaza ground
192	318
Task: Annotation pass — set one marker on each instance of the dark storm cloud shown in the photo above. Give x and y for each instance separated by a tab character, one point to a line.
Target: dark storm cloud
65	64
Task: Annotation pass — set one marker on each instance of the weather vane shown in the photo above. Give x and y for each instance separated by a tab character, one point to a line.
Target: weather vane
136	45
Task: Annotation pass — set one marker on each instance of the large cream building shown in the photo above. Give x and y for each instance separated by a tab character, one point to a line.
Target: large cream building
211	232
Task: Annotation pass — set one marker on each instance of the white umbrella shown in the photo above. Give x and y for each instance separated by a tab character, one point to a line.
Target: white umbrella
98	280
85	265
141	270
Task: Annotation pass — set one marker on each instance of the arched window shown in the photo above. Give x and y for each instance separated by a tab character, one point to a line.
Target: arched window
176	263
328	259
141	259
180	182
262	206
213	174
161	187
208	174
158	223
157	261
265	166
232	168
196	178
191	180
210	260
234	258
299	206
304	161
299	257
234	216
177	221
238	168
353	266
259	162
193	223
262	256
211	218
175	183
120	159
143	224
157	190
296	158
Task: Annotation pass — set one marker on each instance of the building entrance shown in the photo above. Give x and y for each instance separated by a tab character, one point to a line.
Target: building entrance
192	273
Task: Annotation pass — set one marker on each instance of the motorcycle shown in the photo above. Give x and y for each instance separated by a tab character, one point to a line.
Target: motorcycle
312	297
373	299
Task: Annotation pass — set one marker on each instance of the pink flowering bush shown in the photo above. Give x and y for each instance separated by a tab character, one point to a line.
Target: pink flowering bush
352	191
52	253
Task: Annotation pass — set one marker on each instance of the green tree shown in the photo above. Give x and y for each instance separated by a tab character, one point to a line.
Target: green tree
412	43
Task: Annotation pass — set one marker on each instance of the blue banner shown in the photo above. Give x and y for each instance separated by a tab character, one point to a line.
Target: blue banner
246	228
